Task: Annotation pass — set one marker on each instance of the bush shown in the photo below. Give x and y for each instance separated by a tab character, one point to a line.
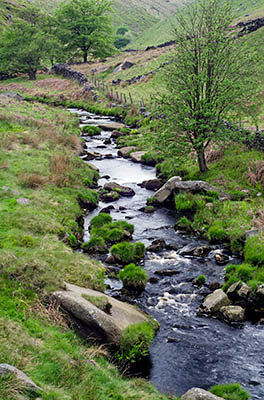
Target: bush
135	342
133	277
216	232
231	391
254	250
100	220
126	253
91	130
95	245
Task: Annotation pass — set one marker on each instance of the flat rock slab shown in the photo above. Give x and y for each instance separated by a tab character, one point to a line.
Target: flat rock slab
105	326
23	378
199	394
113	126
137	156
125	151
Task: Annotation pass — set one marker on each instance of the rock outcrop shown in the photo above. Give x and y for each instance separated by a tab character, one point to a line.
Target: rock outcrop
95	322
175	184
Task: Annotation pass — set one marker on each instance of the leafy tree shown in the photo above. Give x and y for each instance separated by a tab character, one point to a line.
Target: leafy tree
85	27
207	78
26	45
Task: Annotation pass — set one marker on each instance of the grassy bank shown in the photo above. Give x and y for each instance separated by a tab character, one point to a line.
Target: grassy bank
42	183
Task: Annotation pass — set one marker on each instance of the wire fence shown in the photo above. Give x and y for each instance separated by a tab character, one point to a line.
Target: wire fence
117	96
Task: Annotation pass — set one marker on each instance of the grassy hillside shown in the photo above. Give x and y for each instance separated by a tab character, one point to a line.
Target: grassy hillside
162	31
9	8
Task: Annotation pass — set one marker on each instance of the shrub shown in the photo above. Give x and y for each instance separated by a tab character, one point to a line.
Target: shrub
95	245
126	253
254	250
133	277
100	302
188	202
231	391
91	130
135	342
216	232
100	220
26	241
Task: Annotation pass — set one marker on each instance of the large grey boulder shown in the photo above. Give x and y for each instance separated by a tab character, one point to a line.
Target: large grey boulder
214	301
166	190
175	184
20	376
199	394
233	313
99	324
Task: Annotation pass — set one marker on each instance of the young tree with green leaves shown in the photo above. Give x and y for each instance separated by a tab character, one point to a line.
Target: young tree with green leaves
26	45
85	28
206	80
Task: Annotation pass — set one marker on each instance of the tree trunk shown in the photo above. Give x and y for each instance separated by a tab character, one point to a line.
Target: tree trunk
85	56
32	74
202	160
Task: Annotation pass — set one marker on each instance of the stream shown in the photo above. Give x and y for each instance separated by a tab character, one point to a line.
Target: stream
188	350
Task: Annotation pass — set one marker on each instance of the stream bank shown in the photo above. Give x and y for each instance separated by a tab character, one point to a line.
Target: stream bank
188	350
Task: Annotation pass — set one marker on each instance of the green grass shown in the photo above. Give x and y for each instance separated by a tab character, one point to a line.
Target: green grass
39	162
232	391
125	253
37	341
135	342
133	277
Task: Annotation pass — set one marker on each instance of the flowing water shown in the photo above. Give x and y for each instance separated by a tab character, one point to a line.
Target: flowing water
188	350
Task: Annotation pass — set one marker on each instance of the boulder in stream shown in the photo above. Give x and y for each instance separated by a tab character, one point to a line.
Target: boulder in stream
125	151
199	394
122	190
95	322
152	184
113	126
137	155
233	313
214	301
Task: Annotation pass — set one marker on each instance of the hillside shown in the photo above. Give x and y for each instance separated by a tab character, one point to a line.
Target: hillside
162	31
138	17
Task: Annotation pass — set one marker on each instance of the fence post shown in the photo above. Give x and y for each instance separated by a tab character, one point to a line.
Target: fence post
130	97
